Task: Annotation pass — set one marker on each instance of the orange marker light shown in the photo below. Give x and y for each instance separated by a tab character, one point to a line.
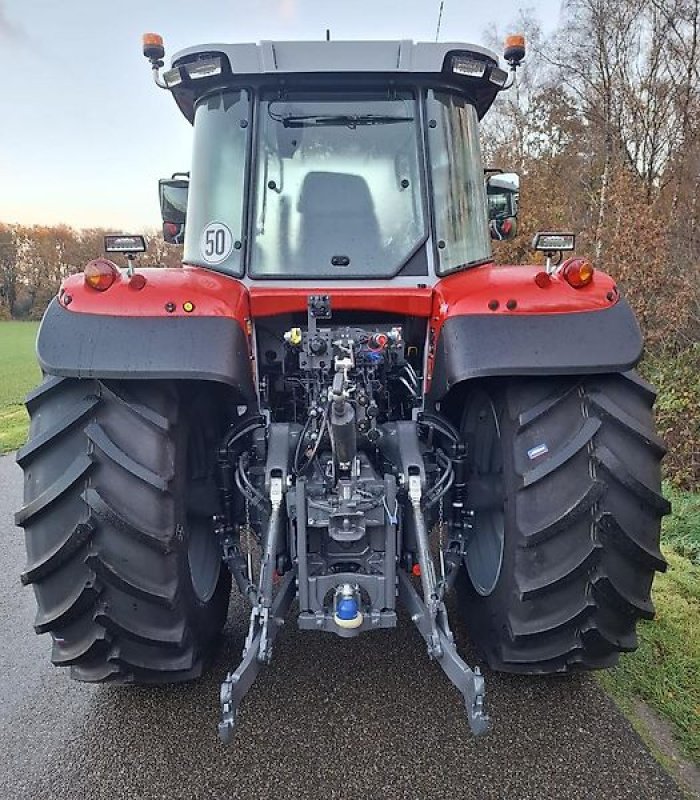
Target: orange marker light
515	40
153	46
577	272
100	274
514	49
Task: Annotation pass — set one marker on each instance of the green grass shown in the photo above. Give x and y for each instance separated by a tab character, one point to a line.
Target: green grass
665	671
19	372
682	529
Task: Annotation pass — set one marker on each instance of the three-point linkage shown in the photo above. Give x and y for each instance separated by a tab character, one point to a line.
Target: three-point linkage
343	501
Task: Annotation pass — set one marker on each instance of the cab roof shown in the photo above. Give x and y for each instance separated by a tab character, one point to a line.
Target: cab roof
316	59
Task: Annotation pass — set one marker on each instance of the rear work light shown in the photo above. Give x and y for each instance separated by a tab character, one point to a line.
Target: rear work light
204	69
552	242
577	272
499	77
468	67
172	78
100	274
124	243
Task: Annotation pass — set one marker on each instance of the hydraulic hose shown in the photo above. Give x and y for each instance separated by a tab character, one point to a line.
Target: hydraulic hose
301	469
246	487
443	485
226	473
441	425
232	436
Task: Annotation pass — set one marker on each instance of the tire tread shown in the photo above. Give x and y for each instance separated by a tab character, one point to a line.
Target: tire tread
581	573
109	586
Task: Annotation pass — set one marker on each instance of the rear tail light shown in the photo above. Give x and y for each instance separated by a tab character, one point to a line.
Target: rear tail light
100	274
577	272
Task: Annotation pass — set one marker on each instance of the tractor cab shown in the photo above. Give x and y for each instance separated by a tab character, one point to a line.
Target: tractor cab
334	160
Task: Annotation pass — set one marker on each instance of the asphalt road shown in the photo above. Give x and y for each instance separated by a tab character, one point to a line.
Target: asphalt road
369	718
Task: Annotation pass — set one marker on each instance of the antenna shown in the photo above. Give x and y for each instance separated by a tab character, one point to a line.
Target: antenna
439	22
328	34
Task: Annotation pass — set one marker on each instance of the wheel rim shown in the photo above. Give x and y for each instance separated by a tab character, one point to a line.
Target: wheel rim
203	558
484	556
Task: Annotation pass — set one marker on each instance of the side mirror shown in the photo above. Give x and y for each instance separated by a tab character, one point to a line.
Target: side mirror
173	207
503	192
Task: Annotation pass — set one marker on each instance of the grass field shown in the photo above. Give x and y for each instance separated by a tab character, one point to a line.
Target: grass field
663	672
19	372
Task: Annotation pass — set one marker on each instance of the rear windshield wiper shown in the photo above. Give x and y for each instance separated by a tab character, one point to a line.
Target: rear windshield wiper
347	120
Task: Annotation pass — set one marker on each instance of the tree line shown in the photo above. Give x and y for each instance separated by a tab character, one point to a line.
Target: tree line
602	128
35	259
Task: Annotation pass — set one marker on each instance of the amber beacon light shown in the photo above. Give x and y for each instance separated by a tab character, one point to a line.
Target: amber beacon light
514	49
153	47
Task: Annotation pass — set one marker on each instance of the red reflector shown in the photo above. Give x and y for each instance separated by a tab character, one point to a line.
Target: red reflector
171	228
542	280
577	272
137	281
416	570
100	274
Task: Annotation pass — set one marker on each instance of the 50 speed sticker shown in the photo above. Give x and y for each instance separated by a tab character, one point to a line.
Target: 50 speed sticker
216	243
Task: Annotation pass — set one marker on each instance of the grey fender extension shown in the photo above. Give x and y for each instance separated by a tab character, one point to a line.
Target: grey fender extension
587	342
79	345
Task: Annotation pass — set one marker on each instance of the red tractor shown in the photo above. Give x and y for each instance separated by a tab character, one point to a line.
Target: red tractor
339	399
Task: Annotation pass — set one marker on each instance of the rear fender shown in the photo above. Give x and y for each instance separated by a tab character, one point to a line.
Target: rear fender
496	321
148	333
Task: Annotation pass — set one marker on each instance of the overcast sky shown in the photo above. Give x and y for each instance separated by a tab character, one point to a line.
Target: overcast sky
84	133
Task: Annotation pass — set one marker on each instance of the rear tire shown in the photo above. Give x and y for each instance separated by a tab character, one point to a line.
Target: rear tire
120	548
574	476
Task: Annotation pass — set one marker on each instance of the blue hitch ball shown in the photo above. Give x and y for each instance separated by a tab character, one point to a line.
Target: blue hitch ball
347	608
